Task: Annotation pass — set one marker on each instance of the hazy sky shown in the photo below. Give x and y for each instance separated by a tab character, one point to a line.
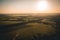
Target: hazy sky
27	6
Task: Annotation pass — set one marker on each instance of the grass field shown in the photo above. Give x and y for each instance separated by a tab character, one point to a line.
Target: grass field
29	27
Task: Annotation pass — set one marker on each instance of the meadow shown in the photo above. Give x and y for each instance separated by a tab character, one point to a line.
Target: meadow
28	27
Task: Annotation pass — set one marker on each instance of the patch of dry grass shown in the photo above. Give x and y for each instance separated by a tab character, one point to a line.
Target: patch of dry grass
33	29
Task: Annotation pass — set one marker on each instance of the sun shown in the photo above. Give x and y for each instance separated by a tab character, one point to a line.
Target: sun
42	5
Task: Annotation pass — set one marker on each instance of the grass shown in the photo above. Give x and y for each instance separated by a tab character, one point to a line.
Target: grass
33	29
29	31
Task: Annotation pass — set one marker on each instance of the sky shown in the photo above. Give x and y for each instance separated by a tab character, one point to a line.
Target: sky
28	6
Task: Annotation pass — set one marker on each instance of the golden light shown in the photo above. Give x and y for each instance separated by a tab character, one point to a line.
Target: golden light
42	5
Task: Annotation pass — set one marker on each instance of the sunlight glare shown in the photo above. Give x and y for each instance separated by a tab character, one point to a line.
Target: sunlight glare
42	5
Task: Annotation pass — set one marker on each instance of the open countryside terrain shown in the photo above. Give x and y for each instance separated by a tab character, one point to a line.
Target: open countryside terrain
29	27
